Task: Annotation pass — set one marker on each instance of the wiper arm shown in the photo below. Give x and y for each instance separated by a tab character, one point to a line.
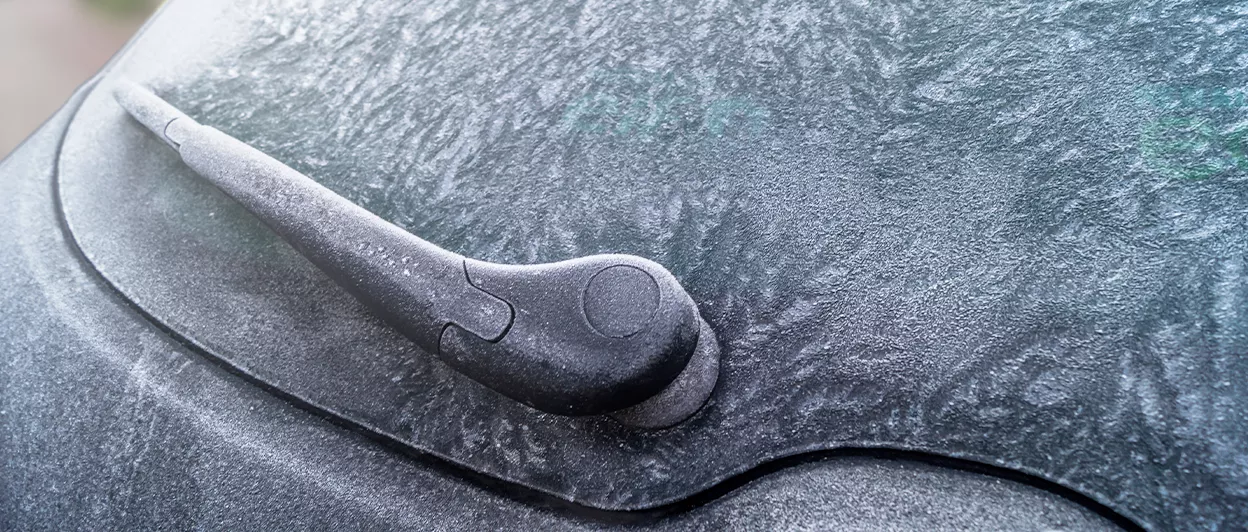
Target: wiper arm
595	335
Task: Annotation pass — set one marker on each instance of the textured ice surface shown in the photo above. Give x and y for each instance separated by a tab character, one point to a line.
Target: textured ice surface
107	424
993	230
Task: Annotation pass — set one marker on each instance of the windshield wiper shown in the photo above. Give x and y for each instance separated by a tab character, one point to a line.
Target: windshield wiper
605	334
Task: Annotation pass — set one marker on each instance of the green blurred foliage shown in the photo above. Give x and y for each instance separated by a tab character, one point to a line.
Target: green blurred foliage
124	7
1200	133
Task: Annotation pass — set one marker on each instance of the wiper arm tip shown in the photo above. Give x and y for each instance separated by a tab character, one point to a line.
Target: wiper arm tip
148	109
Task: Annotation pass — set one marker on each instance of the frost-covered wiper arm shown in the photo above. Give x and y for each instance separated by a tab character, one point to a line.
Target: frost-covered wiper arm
592	335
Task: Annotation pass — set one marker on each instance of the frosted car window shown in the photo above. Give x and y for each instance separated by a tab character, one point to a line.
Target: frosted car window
1009	233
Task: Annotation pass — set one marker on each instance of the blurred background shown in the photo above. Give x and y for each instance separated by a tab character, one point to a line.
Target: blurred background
50	47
